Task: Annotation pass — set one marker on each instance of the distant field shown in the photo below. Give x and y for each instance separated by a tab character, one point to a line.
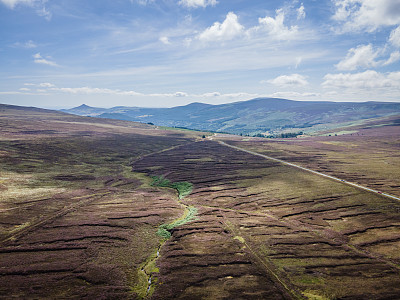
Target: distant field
369	154
97	209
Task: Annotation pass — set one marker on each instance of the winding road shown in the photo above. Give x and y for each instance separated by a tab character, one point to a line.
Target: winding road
312	171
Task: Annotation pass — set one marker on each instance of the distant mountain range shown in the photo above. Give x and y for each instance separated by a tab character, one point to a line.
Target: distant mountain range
261	115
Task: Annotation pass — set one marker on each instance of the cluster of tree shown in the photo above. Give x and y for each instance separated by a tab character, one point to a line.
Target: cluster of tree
279	136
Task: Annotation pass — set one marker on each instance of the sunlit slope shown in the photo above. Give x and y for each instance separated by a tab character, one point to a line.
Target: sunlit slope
262	115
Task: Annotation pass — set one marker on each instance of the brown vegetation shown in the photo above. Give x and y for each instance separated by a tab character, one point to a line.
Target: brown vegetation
76	222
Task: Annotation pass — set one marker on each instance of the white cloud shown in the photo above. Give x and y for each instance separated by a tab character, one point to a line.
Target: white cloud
299	60
88	90
12	3
228	30
46	84
367	15
198	3
394	57
49	88
294	95
275	27
104	91
363	56
301	13
143	2
30	44
239	96
267	30
212	94
366	80
395	37
38	59
181	94
27	45
289	80
165	40
43	12
39	5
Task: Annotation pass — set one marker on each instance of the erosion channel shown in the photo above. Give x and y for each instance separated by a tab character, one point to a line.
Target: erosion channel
147	273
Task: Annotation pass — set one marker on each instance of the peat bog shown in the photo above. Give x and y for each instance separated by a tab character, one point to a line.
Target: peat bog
105	209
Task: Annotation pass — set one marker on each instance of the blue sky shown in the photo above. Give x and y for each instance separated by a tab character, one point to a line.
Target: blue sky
162	53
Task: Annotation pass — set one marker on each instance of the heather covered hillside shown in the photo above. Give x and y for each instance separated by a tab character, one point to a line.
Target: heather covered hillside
100	208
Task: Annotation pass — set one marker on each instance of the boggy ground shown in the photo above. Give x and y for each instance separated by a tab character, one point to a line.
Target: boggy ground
270	231
79	219
75	222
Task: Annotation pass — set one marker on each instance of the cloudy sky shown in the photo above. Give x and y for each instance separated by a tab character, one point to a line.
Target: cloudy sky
162	53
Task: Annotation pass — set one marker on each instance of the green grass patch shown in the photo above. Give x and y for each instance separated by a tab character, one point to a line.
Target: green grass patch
184	188
164	229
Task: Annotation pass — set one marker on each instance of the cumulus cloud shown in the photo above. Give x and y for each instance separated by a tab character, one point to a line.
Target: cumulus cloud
198	3
275	27
365	80
366	15
394	38
365	56
289	80
362	56
227	30
301	13
165	40
38	59
394	57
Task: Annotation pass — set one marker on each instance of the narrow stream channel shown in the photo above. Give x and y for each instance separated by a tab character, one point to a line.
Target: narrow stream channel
148	270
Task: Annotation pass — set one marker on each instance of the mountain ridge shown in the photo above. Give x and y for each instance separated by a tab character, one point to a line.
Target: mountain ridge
258	115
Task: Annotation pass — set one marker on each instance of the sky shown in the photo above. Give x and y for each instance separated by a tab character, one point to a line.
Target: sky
164	53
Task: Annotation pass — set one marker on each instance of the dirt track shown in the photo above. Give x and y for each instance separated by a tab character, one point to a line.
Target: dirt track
309	238
312	171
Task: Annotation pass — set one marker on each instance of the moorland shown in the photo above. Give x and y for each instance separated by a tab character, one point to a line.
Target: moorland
99	208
